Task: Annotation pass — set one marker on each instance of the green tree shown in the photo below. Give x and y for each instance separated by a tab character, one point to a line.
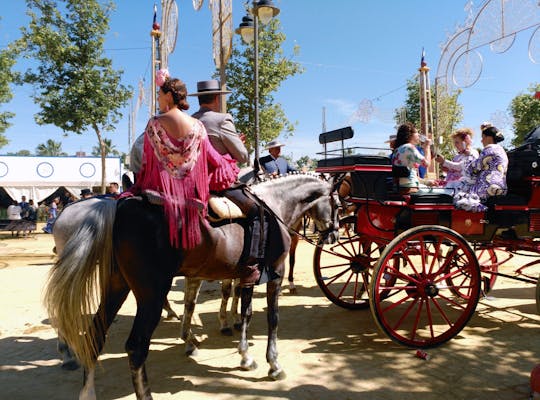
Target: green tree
76	87
109	149
24	153
8	58
306	161
274	68
50	148
447	112
525	110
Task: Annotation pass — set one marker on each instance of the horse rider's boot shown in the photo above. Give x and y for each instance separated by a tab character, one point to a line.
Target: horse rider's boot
250	268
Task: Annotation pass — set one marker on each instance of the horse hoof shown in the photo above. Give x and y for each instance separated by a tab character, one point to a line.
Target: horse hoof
292	291
226	331
249	367
192	351
278	375
70	365
238	326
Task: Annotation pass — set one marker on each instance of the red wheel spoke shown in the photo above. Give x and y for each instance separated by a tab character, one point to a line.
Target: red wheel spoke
430	319
337	265
442	313
405	313
346	284
394	272
332	279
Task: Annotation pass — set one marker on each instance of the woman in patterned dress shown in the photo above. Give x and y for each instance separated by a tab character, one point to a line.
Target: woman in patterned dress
180	164
462	139
407	156
487	173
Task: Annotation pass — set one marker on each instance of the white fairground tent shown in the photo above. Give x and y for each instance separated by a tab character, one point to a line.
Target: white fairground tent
39	177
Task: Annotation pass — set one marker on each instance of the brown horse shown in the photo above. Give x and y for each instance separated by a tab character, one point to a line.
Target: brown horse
135	255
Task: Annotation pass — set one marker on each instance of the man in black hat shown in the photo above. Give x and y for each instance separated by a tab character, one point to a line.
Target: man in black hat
219	126
224	138
86	193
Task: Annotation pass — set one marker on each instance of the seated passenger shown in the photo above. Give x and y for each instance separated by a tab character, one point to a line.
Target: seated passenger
462	139
407	158
486	176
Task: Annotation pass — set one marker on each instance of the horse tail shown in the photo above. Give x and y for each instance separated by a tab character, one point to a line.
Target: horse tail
78	280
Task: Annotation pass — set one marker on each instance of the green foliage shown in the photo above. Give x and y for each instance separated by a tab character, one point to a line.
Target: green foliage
447	113
7	77
274	68
525	110
307	162
23	153
76	87
51	148
110	149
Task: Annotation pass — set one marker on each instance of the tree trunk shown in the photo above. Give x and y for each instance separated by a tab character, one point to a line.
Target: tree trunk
102	152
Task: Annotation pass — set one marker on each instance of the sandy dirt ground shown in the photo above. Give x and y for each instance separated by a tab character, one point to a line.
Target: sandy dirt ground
327	352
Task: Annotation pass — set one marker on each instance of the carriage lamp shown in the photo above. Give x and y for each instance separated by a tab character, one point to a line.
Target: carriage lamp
264	10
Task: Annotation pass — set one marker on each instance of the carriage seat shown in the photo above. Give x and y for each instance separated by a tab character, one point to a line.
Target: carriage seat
509	199
219	207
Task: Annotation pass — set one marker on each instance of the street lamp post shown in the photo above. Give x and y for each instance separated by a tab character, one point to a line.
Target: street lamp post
249	30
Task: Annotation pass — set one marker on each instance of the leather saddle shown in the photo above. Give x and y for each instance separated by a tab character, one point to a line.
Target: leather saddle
219	207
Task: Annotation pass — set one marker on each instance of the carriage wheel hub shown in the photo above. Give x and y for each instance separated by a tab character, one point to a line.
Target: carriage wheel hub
431	290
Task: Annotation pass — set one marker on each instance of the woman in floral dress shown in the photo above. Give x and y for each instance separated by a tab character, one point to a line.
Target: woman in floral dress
487	173
407	156
465	154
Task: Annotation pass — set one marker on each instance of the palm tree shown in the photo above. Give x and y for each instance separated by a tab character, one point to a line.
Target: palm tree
110	149
51	148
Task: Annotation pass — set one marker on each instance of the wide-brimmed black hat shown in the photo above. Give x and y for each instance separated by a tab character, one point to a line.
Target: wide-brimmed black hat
209	87
85	192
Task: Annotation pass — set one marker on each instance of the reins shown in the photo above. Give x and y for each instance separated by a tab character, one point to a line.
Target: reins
280	220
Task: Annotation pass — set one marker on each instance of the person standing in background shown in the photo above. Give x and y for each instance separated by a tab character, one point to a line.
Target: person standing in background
273	163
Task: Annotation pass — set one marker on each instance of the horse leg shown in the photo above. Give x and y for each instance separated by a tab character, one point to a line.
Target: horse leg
234	306
273	289
226	287
292	260
247	363
170	312
69	362
149	305
114	296
191	292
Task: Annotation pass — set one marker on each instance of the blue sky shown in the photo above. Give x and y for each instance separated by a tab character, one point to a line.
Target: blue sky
353	51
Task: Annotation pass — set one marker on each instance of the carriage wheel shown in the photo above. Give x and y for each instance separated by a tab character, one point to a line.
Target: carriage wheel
487	260
424	307
344	275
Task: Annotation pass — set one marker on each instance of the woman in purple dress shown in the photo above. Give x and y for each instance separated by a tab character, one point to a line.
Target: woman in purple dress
465	154
487	173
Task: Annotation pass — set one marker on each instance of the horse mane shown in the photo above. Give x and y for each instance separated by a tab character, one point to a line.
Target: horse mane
272	181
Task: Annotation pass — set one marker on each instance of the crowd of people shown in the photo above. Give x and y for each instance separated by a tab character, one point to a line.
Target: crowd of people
22	217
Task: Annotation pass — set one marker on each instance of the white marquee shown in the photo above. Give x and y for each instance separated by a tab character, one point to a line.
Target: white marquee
38	177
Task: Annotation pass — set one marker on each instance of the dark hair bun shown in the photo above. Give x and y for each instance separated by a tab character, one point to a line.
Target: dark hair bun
494	133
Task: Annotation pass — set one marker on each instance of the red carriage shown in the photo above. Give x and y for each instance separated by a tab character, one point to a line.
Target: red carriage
419	263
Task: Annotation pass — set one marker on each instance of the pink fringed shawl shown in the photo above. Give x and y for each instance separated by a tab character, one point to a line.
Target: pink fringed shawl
183	171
